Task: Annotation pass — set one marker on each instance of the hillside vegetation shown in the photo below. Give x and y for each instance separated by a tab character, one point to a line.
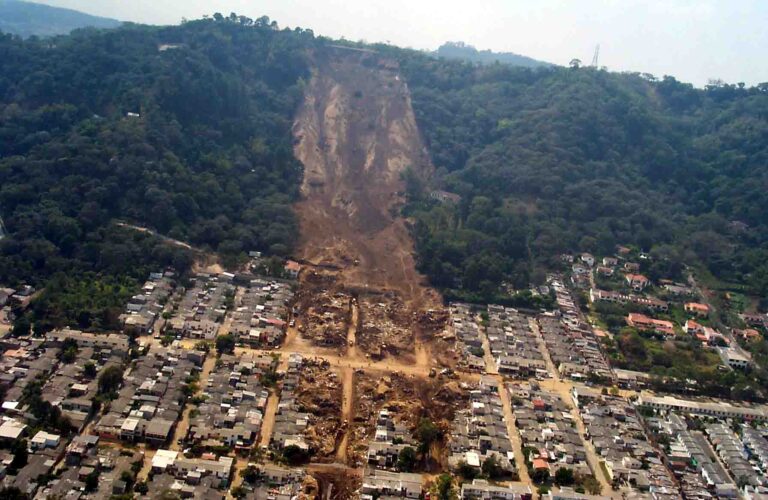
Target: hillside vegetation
558	160
193	140
33	19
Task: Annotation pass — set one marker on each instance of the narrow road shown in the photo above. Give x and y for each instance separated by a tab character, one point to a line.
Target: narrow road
354	318
490	363
563	389
270	412
514	436
209	364
347	411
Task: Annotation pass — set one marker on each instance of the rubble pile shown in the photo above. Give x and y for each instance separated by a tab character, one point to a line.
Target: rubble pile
323	315
319	393
385	327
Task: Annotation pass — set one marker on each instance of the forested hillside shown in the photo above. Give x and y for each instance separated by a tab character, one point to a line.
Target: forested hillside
558	160
27	19
183	129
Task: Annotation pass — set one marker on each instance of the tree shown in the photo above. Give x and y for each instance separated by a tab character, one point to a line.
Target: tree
564	477
141	487
250	474
92	481
492	469
12	493
225	344
466	471
575	63
295	455
427	433
89	370
20	454
110	379
540	476
68	352
406	459
444	487
21	327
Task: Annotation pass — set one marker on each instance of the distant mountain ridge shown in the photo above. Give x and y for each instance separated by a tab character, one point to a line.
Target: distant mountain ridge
460	50
27	19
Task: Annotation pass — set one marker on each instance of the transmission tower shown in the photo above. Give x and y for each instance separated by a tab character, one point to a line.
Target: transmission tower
595	57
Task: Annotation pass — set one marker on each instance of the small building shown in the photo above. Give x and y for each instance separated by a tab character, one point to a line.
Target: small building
643	322
701	310
637	281
12	429
733	358
444	196
44	440
588	259
292	269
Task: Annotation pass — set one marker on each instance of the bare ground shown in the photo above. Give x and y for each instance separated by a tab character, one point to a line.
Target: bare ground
356	134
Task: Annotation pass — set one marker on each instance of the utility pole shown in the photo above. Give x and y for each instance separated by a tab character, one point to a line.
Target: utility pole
2	229
596	56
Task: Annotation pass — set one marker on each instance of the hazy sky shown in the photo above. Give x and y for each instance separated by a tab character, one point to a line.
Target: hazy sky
693	40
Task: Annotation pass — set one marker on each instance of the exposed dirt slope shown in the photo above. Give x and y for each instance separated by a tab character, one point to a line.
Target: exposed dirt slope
356	134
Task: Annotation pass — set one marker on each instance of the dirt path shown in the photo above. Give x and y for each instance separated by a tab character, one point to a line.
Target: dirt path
354	320
205	261
347	411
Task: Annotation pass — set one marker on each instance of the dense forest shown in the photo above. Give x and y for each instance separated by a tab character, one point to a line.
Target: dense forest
553	160
184	129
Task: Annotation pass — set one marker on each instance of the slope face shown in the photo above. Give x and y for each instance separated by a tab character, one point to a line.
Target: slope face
356	134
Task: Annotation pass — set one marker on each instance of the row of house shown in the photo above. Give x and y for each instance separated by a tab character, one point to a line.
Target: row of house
570	340
756	444
389	440
690	458
646	323
547	430
259	317
232	412
107	343
202	307
152	397
618	437
201	477
651	303
65	369
144	308
480	431
733	454
468	335
290	421
514	346
706	407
